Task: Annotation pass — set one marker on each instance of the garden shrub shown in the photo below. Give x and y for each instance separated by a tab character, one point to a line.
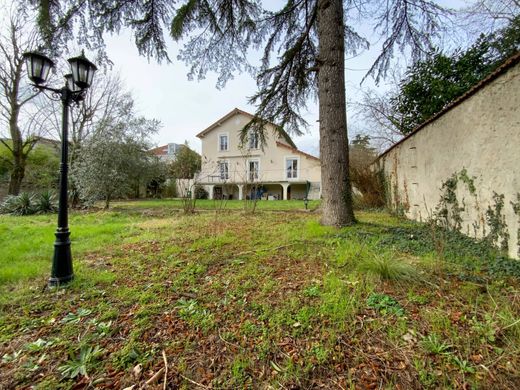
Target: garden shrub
27	204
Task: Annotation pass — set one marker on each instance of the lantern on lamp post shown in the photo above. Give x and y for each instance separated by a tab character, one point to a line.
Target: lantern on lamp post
76	84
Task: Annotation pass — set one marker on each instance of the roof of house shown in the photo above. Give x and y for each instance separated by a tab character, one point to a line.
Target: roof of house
509	63
160	150
295	150
236	111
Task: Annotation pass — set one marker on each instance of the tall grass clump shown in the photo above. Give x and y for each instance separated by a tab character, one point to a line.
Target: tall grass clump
386	267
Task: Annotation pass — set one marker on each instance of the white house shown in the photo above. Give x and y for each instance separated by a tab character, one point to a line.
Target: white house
167	152
234	171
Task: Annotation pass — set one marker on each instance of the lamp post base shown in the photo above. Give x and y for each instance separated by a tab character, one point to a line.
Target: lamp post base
62	271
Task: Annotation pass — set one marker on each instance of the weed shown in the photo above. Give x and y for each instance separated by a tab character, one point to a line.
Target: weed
312	291
320	353
75	318
385	304
463	365
239	369
38	345
486	329
192	312
81	364
434	345
417	298
102	329
8	358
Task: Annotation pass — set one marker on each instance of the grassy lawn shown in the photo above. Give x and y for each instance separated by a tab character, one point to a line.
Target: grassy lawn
273	300
206	204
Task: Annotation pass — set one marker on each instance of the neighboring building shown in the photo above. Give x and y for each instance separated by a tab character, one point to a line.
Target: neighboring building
470	155
232	171
167	152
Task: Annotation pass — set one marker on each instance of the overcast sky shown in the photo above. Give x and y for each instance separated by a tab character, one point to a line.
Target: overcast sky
163	91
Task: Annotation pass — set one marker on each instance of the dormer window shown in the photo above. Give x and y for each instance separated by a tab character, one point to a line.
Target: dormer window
253	140
223	142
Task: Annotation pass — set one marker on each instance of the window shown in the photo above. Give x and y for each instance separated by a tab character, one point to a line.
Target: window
254	168
223	168
253	140
291	167
223	142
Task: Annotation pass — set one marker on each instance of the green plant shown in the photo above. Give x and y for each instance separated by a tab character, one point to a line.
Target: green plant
463	365
385	304
82	363
8	358
434	345
190	311
516	210
312	291
102	328
21	204
38	345
386	266
200	193
74	318
496	220
45	202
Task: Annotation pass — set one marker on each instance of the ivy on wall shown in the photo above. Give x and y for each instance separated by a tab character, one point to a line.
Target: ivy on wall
449	212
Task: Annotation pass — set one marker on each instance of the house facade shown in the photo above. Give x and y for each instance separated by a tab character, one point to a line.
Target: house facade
231	170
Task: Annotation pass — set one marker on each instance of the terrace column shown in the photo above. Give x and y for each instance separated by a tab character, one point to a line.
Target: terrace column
285	188
240	191
210	191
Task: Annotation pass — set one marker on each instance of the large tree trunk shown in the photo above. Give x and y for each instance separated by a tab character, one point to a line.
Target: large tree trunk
19	158
336	188
17	175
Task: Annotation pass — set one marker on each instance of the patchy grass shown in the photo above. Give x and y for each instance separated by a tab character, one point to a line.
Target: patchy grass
269	300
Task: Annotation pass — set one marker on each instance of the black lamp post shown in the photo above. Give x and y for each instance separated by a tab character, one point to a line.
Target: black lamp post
76	84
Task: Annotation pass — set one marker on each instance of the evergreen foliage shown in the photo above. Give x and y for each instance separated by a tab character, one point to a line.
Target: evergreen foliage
430	85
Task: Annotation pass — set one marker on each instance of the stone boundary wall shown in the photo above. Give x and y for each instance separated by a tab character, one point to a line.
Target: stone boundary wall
470	155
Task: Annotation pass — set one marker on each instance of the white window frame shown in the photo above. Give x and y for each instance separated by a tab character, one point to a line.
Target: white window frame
253	135
298	168
249	172
223	175
220	135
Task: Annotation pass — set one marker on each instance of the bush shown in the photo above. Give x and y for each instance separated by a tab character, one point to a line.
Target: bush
45	203
169	189
18	204
27	204
201	193
370	185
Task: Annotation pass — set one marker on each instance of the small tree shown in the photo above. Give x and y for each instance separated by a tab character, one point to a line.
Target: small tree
108	161
186	164
183	169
